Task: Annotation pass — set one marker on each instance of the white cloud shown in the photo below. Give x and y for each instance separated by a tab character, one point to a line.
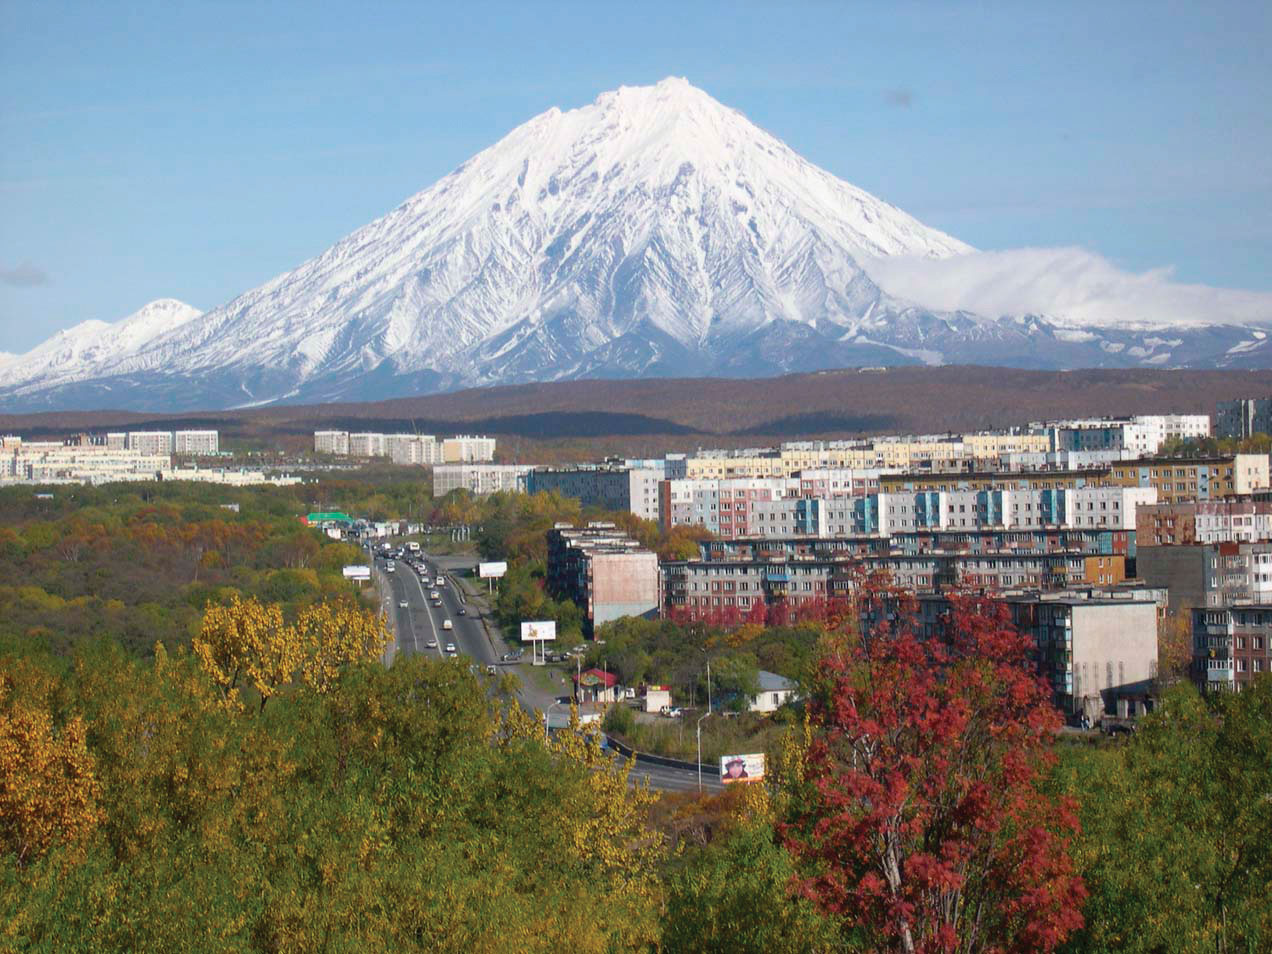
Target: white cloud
1067	284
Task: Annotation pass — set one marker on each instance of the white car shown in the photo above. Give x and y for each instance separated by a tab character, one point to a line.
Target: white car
447	624
431	644
440	581
404	604
450	649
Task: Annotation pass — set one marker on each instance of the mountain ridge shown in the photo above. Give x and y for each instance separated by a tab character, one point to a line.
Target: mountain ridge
653	232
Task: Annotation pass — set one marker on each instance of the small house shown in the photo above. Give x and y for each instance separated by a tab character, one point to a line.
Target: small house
775	691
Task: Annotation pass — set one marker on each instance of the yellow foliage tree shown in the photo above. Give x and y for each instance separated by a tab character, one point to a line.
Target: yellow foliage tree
251	640
49	792
336	634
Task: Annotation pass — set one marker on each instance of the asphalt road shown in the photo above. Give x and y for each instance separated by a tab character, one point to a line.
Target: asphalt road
419	623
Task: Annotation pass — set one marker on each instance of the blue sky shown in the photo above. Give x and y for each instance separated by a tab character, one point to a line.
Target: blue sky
196	150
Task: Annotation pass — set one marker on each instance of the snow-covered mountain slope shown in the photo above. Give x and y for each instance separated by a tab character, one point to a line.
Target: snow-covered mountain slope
652	232
96	343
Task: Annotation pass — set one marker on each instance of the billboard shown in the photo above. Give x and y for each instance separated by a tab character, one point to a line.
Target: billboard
741	768
538	631
357	573
491	571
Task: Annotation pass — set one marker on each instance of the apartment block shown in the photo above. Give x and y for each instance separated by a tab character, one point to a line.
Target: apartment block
610	488
1142	435
150	442
1102	542
367	444
331	442
1196	478
1232	520
1232	645
479	479
196	443
413	449
1097	647
734	589
467	449
1244	418
603	571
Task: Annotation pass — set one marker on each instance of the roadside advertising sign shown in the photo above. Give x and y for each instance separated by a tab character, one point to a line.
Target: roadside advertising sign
741	768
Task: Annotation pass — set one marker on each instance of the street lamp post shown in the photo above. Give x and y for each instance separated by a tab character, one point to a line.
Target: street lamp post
546	714
700	718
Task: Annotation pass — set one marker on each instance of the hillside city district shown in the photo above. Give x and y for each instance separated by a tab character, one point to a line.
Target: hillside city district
1093	532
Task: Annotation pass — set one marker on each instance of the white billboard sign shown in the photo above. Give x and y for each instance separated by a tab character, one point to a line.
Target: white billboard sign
741	768
357	573
492	571
538	631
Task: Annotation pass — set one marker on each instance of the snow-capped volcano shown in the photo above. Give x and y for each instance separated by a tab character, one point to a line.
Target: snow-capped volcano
653	231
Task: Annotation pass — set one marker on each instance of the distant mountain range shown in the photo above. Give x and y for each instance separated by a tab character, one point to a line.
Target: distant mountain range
654	232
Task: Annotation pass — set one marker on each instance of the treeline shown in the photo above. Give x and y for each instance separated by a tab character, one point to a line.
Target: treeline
138	563
924	805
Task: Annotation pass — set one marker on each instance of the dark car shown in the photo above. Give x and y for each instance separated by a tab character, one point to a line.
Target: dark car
462	612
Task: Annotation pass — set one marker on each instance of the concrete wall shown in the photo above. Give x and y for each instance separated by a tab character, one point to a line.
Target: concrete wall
1180	568
623	584
1113	641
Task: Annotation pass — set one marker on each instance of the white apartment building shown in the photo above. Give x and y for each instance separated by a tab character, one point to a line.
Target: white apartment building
1141	435
150	442
367	444
331	442
196	443
465	449
117	440
479	479
414	449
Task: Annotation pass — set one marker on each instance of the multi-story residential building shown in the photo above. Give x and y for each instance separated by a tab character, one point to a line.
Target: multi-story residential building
465	448
150	442
479	479
736	589
1142	435
1237	573
414	449
196	443
604	572
1194	478
1244	417
1174	478
331	442
1101	542
1097	647
1232	645
117	440
774	508
47	462
367	444
1232	520
611	488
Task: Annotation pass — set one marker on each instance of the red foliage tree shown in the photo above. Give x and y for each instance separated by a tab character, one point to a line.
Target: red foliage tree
922	818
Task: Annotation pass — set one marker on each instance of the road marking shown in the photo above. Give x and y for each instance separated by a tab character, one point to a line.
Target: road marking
428	610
